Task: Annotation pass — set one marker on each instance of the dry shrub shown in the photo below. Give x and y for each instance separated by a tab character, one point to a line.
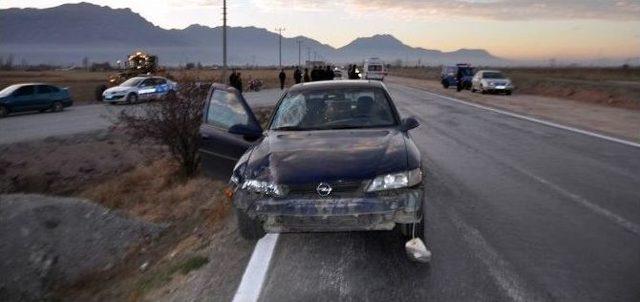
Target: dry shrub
152	193
173	121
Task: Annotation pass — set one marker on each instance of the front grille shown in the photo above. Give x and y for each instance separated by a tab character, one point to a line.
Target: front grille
336	186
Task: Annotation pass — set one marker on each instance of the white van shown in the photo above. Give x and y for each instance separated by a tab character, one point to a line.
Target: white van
374	69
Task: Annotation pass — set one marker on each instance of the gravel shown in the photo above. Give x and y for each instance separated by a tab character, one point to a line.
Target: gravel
49	241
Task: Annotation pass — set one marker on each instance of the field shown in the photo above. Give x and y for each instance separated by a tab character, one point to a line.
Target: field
82	84
618	87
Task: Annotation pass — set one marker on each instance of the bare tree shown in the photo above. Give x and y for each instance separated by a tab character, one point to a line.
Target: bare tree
173	121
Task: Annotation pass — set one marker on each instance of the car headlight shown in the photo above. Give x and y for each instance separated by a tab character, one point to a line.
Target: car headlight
396	180
263	187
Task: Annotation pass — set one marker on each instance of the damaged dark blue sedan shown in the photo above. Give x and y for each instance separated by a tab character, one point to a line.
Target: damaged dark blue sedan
335	156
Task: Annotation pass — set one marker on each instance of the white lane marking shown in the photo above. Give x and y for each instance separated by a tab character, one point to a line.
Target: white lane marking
535	120
506	278
256	271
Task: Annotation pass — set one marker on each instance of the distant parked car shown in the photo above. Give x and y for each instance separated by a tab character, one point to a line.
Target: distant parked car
449	74
139	89
33	97
490	81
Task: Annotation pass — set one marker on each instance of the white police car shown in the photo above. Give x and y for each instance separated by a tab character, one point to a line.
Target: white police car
139	89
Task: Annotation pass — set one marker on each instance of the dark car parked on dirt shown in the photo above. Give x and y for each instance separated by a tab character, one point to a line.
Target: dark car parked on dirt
335	157
33	97
449	75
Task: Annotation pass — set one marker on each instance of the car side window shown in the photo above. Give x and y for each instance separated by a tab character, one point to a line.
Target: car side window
147	82
43	89
225	110
24	91
160	81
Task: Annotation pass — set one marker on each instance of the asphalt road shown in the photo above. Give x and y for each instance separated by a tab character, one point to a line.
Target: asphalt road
515	211
76	119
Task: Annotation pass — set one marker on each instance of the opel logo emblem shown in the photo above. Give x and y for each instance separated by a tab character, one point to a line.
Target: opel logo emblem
324	189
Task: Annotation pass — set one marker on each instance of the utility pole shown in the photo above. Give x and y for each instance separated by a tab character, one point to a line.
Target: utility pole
280	30
224	41
308	53
299	51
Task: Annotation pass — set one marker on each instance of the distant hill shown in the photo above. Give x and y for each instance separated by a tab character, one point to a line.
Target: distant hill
67	33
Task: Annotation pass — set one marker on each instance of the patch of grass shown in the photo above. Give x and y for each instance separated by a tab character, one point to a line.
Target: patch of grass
164	275
191	264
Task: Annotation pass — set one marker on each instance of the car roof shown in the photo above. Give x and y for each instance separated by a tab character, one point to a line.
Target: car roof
337	84
30	84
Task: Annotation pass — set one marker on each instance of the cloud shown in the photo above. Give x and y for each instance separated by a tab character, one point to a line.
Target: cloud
484	9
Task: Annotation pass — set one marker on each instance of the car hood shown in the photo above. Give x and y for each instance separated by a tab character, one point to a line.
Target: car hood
118	89
298	157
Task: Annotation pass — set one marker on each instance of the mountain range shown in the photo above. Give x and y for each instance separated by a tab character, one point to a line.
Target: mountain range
68	33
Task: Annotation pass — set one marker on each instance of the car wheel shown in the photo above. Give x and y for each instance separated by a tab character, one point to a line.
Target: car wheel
473	90
3	111
445	84
508	92
249	228
57	107
406	229
132	98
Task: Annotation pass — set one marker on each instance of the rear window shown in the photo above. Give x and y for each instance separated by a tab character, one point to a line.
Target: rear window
375	67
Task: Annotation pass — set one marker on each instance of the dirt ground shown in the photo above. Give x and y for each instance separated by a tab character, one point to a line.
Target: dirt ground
137	180
616	87
615	121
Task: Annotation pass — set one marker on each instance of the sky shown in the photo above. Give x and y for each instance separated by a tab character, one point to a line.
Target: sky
515	29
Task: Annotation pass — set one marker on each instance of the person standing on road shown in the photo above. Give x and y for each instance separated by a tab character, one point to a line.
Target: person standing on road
282	77
307	79
239	82
314	74
459	79
297	75
233	78
329	73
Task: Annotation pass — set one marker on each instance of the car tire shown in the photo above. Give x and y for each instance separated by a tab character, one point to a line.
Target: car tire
3	111
406	229
249	228
508	92
132	98
473	90
445	84
57	107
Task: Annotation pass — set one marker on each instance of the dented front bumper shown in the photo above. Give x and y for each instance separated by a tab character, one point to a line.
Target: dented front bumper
310	212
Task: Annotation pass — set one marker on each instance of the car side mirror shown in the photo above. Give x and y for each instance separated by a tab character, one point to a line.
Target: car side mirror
408	124
247	132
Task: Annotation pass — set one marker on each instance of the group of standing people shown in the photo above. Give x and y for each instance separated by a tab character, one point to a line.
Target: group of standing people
318	73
